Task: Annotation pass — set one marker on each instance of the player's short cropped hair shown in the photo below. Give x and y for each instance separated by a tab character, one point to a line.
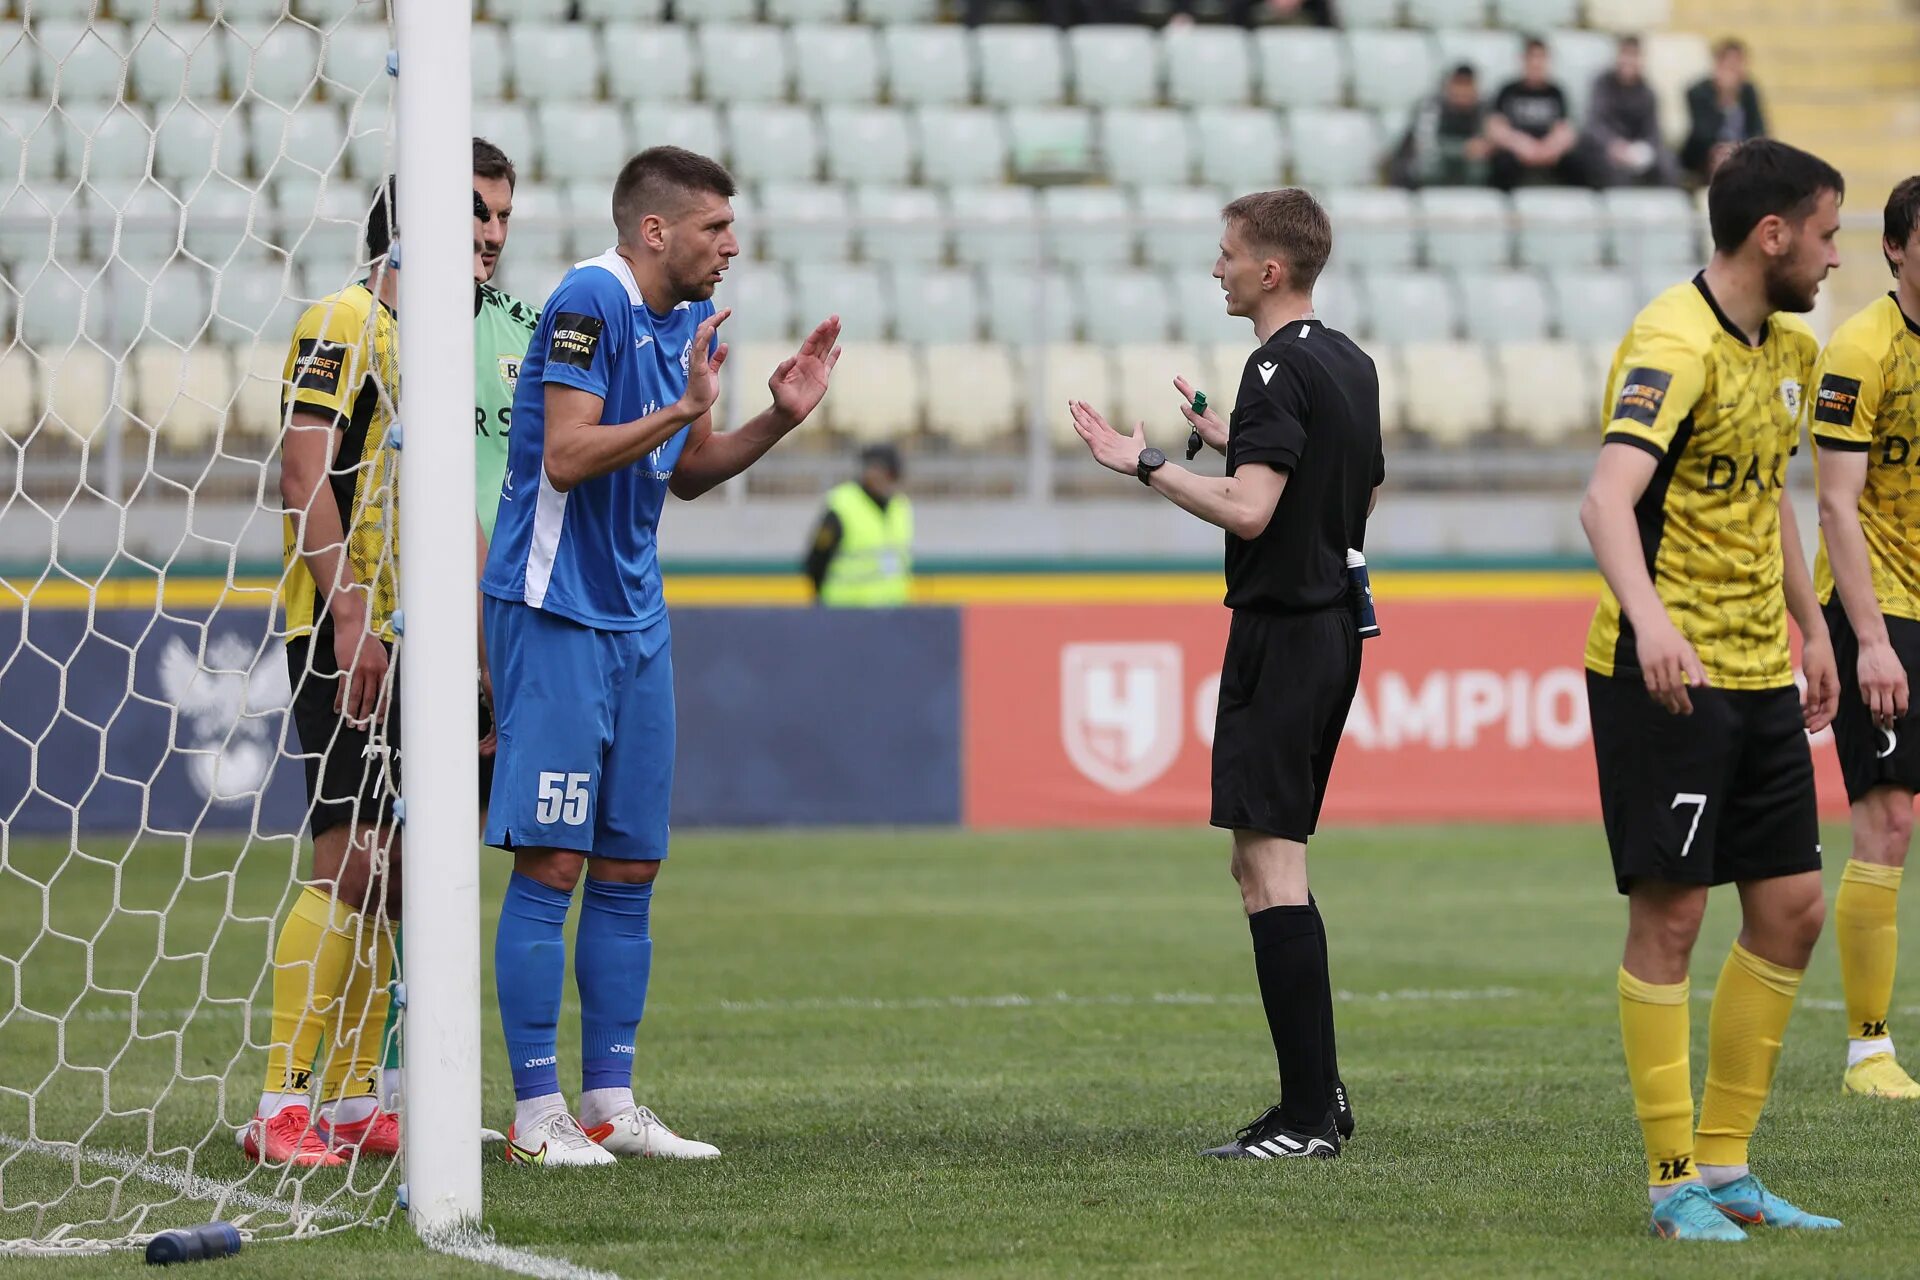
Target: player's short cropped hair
1288	224
1727	45
490	161
1902	213
383	220
1535	43
1628	42
1761	178
1464	71
661	180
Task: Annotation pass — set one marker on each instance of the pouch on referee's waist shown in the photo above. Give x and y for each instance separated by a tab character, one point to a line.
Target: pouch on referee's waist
1360	596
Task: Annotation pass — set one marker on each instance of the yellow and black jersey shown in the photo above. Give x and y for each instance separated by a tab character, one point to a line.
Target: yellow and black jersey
344	363
1722	416
1863	401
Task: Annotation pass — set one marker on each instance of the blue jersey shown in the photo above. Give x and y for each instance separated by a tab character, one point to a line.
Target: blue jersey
590	554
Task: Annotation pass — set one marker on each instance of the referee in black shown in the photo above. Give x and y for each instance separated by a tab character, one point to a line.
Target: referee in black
1303	465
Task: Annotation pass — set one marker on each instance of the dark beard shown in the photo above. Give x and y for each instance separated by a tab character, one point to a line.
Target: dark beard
1783	295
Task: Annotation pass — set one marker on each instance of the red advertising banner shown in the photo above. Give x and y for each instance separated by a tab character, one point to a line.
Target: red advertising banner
1082	715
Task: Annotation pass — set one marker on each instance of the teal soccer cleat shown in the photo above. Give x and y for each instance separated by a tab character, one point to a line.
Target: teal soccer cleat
1691	1214
1746	1201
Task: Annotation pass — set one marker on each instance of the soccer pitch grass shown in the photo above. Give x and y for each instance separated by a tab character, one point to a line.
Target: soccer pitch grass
945	1053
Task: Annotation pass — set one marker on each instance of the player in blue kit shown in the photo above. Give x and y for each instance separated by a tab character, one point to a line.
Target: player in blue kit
611	414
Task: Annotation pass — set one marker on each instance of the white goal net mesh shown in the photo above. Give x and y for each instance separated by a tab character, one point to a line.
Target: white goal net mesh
179	180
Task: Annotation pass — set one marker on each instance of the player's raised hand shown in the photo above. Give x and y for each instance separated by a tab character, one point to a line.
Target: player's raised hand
1821	698
1212	428
703	365
1670	666
1109	448
1883	682
800	381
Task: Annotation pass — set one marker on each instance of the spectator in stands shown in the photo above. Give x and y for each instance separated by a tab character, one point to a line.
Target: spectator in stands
1533	140
1723	111
1446	144
1245	13
862	549
1623	146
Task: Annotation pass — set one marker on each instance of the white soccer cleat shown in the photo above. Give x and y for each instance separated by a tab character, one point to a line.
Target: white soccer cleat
638	1132
555	1142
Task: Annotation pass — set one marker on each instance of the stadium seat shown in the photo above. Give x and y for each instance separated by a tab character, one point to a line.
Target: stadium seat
308	138
1544	391
1207	66
770	144
1449	390
960	146
1392	70
867	144
1179	226
278	66
118	154
649	62
1494	55
31	138
891	399
257	398
855	293
1465	227
1372	226
1114	66
218	217
1124	305
813	223
252	301
933	305
995	225
1558	226
1674	60
762	302
558	62
78	383
1409	306
170	61
1369	13
83	61
1241	148
836	64
928	64
743	64
1087	226
591	232
1050	142
1300	67
899	225
814	11
718	11
1393	400
149	228
368	157
1503	306
353	58
623	10
20	58
1145	392
1653	228
1025	306
1334	148
1200	312
1578	57
1146	148
491	77
174	304
182	396
1536	15
541	214
1222	365
555	11
896	11
1629	17
1339	304
1020	66
19	381
63	301
1073	371
580	139
1446	13
533	279
326	230
973	395
1592	305
509	126
693	125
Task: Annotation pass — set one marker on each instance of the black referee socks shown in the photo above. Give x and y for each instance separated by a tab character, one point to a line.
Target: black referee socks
1290	958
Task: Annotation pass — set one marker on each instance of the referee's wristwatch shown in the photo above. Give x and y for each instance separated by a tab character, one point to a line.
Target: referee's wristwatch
1151	460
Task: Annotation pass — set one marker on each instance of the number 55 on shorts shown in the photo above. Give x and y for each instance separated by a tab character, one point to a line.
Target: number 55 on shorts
563	799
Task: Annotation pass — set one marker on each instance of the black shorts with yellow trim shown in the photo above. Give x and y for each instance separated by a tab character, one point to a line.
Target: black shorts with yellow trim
1869	755
1723	795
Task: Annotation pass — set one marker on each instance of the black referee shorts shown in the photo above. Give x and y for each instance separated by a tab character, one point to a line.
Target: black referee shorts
1285	687
1869	755
1723	795
353	774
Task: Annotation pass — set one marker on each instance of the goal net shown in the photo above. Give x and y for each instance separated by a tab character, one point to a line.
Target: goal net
179	180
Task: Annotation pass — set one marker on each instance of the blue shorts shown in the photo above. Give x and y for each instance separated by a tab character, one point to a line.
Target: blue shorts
585	760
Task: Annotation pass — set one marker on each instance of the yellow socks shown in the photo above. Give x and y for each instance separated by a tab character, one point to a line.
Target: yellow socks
1654	1030
310	963
1751	1006
354	1050
1864	923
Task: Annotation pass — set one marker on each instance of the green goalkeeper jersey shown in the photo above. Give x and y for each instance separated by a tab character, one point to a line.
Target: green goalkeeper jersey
502	327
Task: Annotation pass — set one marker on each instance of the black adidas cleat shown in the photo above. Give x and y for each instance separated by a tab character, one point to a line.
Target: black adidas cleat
1268	1139
1342	1111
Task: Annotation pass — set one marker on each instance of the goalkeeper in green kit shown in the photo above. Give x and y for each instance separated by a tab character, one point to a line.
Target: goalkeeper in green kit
502	327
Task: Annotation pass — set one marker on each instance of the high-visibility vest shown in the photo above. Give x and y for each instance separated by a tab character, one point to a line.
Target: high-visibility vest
873	565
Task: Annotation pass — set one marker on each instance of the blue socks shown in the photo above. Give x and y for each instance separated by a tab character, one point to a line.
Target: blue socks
529	969
612	957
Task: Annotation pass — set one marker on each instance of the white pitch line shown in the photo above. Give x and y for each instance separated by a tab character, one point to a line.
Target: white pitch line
189	1185
474	1245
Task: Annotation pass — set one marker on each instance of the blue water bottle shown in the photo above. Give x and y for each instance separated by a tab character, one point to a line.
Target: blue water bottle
193	1244
1360	595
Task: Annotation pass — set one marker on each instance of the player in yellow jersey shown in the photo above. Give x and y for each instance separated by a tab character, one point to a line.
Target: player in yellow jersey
339	486
1865	424
1699	732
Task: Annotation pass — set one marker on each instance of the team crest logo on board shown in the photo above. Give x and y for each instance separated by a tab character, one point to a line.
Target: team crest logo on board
1120	711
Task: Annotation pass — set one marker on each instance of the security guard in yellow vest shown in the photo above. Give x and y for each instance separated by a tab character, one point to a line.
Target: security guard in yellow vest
862	551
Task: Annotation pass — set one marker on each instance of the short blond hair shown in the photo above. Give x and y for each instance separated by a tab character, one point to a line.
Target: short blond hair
1288	224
